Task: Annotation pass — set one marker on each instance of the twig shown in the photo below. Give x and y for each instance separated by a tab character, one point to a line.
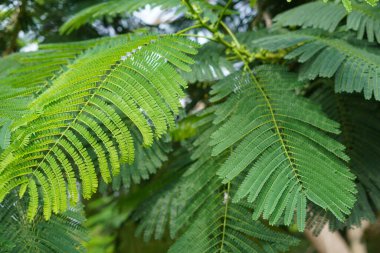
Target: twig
188	29
222	15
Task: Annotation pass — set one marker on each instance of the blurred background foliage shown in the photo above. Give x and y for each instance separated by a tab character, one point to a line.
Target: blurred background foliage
23	22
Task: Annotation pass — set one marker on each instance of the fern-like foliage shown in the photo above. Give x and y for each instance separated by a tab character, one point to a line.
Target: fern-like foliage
196	204
354	69
348	3
360	127
24	75
363	19
150	203
280	142
147	161
63	233
157	214
309	15
19	70
212	222
222	226
81	119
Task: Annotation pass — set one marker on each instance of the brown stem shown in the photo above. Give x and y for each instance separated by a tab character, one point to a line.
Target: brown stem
12	45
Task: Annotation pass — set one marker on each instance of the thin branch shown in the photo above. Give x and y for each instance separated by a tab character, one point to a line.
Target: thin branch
188	29
222	15
198	36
